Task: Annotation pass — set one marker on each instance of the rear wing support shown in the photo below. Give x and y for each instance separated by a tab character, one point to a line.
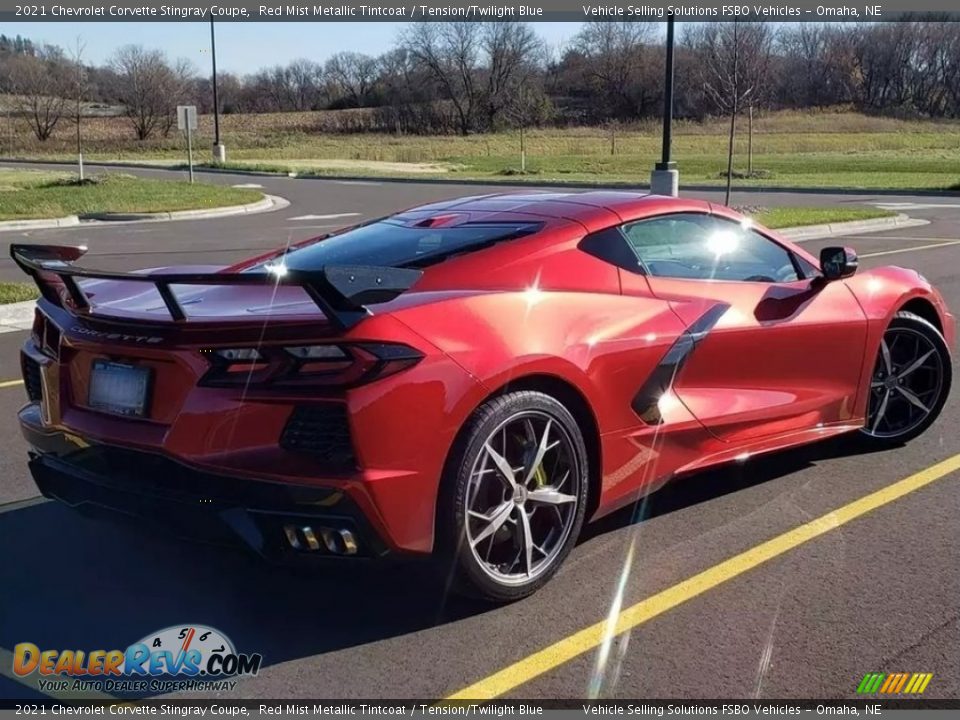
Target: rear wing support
342	292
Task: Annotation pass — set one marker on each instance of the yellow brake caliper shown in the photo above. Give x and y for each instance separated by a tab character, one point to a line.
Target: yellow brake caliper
540	476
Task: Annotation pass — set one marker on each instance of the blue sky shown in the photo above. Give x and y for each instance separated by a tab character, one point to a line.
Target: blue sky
242	47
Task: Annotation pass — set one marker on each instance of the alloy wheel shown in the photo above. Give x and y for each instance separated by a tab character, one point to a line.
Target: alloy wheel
522	497
906	383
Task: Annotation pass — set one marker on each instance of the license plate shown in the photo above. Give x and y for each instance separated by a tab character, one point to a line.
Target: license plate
119	389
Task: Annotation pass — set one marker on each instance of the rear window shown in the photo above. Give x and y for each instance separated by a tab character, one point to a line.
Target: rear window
393	244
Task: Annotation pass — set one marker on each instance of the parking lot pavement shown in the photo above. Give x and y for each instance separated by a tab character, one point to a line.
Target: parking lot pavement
320	205
876	594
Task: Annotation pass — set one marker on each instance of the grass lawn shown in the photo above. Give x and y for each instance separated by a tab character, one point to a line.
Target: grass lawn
827	149
28	194
13	292
783	217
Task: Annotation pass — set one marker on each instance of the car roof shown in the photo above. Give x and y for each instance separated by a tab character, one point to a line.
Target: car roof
593	209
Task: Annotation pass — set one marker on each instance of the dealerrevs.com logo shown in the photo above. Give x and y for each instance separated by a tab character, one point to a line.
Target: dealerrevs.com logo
177	658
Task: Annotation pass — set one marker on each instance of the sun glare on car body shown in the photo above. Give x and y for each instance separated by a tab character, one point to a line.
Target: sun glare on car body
278	270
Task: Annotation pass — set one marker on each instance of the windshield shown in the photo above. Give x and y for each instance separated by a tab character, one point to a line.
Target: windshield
392	244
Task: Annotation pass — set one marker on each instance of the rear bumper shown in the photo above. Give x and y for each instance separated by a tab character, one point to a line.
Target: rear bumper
164	496
381	446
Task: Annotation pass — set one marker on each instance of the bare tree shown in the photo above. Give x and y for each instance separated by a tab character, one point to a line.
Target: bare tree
733	60
352	76
950	66
451	54
79	87
180	82
528	106
296	86
405	89
149	88
514	56
616	58
40	86
883	55
811	71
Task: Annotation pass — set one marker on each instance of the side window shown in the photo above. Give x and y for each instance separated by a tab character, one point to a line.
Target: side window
609	245
807	268
702	247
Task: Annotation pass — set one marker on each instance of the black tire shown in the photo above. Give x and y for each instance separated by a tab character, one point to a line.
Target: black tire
469	575
908	322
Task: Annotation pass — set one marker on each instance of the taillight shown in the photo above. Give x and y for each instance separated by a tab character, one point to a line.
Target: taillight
335	365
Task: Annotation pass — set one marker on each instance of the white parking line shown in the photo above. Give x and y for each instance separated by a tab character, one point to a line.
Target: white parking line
914	205
301	228
912	249
332	216
916	238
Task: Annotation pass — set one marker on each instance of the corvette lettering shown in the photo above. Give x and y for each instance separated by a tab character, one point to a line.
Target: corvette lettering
123	337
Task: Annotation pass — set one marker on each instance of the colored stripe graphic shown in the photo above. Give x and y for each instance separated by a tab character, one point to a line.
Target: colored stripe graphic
894	683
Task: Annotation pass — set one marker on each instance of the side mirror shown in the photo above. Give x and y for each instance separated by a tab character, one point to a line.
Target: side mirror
838	262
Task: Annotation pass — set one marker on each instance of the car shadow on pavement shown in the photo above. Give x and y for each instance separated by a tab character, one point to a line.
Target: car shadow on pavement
67	581
706	485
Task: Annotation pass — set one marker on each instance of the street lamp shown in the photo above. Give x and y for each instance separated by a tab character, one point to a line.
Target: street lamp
665	179
219	151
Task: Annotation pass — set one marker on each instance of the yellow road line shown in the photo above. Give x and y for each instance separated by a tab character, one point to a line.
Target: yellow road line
591	637
10	383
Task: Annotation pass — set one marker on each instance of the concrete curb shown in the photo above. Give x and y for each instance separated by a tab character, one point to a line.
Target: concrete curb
268	203
854	227
66	221
16	316
916	192
265	204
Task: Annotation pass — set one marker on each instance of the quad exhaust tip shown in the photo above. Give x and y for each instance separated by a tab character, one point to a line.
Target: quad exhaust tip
336	541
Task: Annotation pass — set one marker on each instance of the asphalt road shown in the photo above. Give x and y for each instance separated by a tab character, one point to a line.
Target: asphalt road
880	593
316	206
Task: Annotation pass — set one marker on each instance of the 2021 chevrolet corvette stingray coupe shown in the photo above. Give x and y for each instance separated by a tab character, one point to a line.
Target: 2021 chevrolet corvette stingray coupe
472	379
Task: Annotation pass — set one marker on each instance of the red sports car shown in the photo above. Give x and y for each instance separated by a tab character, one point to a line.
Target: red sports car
471	379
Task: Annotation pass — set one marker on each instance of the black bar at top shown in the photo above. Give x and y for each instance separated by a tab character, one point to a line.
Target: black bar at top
459	10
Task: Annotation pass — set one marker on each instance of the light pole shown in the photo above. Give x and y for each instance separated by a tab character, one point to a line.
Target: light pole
81	74
219	151
665	179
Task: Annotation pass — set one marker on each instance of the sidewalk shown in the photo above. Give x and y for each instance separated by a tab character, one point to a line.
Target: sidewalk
268	203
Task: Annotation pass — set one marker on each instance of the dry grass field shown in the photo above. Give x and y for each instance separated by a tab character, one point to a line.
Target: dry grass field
814	149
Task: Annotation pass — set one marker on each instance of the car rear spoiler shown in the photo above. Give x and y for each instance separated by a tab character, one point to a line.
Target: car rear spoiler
342	292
